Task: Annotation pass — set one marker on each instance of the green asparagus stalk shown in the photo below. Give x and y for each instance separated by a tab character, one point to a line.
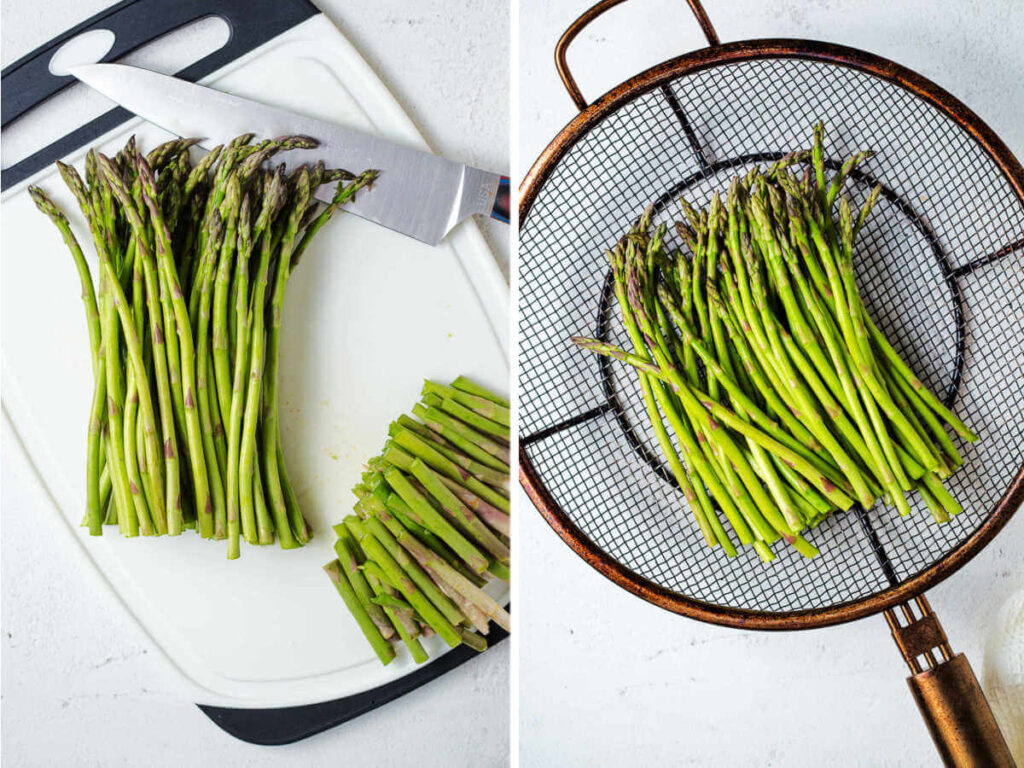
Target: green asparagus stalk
270	416
481	451
206	398
450	576
421	577
488	450
385	652
471	418
471	387
350	567
411	442
376	552
457	511
254	386
435	521
481	405
93	507
401	618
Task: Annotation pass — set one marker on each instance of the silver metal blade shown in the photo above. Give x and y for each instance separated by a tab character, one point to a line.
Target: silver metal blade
418	194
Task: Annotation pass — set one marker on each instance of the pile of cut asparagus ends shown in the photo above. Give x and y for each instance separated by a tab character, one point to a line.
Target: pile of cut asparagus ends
431	525
773	396
185	331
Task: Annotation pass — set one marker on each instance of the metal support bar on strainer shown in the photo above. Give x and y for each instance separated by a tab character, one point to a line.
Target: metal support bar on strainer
942	683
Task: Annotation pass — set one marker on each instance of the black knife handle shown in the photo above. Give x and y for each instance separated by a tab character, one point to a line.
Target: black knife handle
500	209
28	81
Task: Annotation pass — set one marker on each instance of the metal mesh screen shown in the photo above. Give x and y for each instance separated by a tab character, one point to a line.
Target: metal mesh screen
940	265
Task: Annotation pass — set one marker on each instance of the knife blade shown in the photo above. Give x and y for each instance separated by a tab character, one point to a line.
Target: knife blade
417	193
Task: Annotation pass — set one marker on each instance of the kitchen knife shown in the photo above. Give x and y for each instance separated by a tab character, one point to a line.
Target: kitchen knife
418	194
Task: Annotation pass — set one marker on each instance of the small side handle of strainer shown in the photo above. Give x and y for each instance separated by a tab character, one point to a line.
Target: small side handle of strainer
592	13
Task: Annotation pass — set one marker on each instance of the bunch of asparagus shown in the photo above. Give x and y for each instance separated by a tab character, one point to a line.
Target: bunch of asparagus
785	400
431	525
185	331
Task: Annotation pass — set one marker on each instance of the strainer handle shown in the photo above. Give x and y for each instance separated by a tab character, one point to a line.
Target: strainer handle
947	692
592	13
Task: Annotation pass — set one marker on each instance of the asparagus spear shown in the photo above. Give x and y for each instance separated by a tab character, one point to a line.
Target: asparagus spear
385	652
482	462
254	387
92	475
468	385
421	577
270	415
208	400
401	618
436	522
409	441
470	417
350	567
470	441
481	405
396	576
458	511
449	575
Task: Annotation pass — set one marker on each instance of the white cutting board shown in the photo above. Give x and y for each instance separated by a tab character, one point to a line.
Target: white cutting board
368	314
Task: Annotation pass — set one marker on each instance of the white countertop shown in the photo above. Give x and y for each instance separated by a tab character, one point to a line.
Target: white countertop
609	680
82	684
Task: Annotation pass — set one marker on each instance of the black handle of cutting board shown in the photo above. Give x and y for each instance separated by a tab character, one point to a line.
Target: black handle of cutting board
28	81
273	727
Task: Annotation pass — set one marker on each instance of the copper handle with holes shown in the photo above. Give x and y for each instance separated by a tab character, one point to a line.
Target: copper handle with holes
947	692
592	13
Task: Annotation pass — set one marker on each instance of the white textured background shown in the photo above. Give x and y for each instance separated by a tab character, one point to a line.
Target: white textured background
609	680
82	684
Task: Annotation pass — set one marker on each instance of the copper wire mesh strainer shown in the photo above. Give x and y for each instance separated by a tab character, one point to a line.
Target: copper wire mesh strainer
941	270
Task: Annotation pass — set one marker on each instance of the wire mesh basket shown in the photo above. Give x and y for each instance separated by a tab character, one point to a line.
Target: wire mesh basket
940	266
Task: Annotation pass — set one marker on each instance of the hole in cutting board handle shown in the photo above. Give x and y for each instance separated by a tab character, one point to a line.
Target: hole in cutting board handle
77	105
86	48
